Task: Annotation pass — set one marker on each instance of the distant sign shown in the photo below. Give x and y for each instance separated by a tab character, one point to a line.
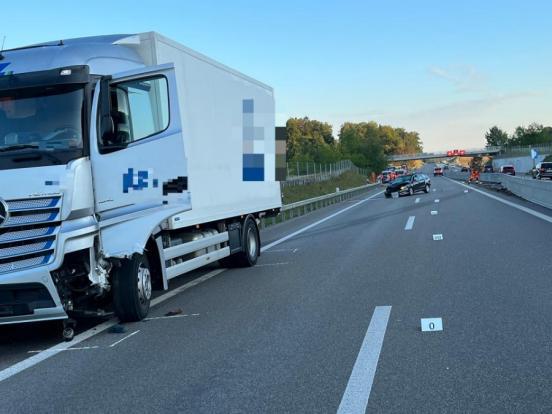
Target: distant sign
431	324
534	153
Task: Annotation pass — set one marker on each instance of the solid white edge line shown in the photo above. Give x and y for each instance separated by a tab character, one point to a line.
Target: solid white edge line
410	223
316	223
123	339
83	336
356	395
508	203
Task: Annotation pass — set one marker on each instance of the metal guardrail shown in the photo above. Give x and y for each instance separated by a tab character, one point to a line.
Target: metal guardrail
535	191
302	207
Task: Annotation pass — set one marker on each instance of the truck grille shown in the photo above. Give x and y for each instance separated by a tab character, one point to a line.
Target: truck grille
28	236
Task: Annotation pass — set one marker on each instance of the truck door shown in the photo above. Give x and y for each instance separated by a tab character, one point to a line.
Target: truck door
137	152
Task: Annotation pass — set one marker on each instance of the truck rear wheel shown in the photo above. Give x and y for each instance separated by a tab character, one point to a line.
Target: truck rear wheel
132	289
251	247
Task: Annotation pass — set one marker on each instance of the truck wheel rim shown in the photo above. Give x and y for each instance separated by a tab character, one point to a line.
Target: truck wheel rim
144	284
251	243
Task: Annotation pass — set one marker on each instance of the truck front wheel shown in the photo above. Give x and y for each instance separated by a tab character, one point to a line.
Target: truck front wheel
132	289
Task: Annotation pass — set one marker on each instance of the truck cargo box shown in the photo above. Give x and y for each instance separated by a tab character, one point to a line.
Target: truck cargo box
228	130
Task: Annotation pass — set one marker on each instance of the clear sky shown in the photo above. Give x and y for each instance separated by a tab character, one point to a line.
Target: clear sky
447	69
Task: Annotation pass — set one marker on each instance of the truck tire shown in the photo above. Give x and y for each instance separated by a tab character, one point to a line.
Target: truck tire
132	289
251	247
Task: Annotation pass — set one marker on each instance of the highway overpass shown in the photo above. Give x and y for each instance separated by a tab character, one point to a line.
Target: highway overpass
474	152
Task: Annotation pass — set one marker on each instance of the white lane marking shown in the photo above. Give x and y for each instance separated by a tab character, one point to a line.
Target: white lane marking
356	395
316	223
154	318
284	251
410	223
54	350
82	348
272	264
187	286
417	200
465	191
509	203
437	200
83	336
437	237
123	339
434	190
434	212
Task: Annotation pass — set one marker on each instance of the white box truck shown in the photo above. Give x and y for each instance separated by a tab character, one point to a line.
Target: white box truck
125	161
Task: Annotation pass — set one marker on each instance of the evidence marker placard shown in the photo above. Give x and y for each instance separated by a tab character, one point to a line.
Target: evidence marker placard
431	324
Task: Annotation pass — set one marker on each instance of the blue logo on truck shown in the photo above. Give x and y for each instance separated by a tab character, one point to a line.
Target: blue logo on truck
138	180
3	66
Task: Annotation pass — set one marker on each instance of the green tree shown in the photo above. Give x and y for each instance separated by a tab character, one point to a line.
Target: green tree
310	140
496	137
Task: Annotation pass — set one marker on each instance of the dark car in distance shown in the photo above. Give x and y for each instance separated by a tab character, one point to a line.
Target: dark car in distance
408	185
488	168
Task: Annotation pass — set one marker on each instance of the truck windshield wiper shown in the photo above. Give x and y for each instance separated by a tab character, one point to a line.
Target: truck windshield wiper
18	147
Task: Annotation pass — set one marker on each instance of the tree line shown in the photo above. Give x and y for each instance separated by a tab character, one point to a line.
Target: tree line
533	134
366	144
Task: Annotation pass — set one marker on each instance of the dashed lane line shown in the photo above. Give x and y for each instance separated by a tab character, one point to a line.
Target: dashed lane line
410	223
356	395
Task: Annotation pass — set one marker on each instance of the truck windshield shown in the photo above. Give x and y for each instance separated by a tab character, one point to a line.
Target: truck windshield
41	126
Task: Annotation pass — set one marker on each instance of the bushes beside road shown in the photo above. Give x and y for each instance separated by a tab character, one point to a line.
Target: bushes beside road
347	180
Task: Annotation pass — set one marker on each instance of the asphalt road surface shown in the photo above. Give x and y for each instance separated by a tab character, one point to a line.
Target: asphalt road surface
328	322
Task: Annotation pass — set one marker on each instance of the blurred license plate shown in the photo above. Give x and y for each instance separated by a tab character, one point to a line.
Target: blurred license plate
395	194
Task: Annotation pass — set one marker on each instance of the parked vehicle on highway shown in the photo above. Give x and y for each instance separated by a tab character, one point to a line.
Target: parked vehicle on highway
399	172
488	168
543	170
508	169
387	176
125	173
438	171
407	185
464	169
